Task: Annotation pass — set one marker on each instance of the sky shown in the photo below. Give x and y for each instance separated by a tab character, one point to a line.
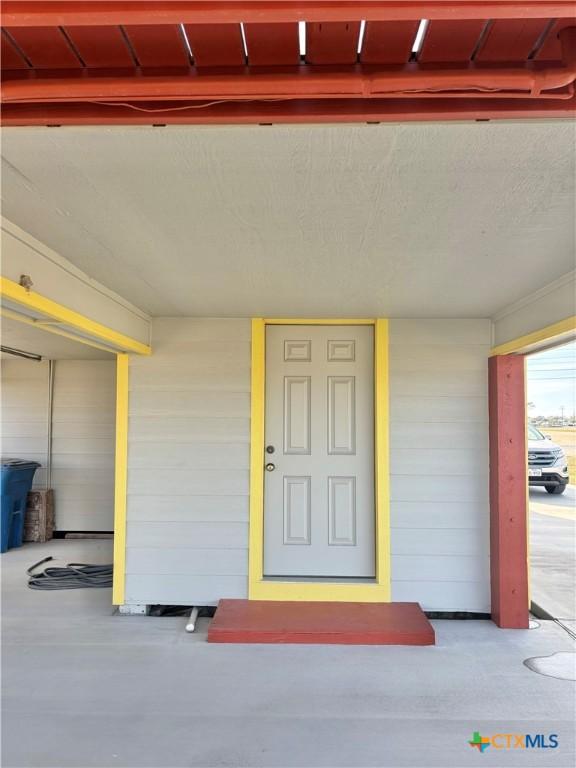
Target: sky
552	381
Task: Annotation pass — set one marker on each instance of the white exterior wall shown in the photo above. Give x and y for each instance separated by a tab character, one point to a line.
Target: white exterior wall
439	463
25	426
83	431
83	425
188	478
188	464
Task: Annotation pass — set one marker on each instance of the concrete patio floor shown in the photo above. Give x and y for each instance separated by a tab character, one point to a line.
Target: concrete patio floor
83	687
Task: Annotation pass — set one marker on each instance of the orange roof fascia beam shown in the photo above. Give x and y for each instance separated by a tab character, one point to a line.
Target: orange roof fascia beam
289	112
30	13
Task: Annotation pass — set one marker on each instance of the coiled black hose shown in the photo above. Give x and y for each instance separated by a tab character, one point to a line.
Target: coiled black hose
73	576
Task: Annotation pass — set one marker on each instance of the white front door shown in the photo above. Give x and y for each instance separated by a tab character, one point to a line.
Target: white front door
319	517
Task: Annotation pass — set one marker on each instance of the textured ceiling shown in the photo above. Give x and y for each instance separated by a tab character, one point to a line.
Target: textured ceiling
420	220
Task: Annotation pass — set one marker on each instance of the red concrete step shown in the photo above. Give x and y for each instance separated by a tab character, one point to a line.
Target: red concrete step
267	621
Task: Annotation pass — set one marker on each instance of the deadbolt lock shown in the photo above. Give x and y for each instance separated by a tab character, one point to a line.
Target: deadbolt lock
270	449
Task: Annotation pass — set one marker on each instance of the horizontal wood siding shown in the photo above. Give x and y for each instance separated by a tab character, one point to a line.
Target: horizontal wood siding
83	412
188	464
83	427
439	463
25	413
187	532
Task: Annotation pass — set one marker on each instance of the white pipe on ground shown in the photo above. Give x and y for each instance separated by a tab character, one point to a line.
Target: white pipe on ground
191	624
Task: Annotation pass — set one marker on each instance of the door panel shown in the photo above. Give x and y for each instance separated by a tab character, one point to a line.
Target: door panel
342	510
297	510
297	415
341	415
319	517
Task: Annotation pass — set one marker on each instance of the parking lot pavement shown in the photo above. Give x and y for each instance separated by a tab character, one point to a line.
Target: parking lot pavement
553	552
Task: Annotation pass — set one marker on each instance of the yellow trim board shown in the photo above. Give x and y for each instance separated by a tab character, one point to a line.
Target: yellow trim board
61	314
266	589
550	333
382	454
315	591
51	329
317	321
41	304
257	402
120	480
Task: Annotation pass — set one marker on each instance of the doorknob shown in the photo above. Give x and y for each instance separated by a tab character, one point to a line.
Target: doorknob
270	467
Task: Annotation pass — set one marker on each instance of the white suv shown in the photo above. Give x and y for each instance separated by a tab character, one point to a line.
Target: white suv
546	462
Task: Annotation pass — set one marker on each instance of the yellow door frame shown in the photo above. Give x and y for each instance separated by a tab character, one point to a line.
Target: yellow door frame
93	334
260	588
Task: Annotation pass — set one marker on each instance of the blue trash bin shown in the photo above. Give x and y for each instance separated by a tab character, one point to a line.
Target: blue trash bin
17	476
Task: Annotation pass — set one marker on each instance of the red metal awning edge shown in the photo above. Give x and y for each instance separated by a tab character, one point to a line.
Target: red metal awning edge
80	94
23	13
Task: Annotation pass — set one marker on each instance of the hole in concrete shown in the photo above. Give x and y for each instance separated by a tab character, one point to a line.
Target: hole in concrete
533	624
561	665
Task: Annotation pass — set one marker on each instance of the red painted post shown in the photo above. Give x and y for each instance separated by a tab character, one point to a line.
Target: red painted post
508	492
